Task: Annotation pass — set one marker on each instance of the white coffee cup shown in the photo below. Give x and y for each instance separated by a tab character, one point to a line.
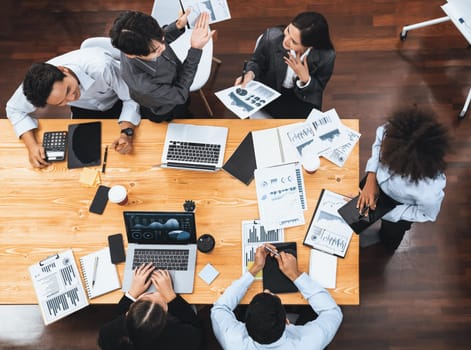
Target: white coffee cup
118	194
310	163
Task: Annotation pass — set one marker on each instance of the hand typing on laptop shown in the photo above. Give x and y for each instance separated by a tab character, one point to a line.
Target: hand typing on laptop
141	280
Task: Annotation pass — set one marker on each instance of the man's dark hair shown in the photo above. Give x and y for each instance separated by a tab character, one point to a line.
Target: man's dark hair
265	318
133	32
145	322
414	144
38	82
314	30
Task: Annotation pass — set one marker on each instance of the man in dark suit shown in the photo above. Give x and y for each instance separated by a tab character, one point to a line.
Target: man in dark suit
157	79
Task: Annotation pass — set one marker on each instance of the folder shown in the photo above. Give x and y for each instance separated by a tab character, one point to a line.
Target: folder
275	280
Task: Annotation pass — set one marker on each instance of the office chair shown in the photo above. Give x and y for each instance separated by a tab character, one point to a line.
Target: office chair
166	12
103	42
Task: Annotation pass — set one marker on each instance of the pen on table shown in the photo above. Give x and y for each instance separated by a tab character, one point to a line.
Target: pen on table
271	250
104	160
244	70
183	10
95	268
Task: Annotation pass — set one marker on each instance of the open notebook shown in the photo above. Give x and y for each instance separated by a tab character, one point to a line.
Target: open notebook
105	276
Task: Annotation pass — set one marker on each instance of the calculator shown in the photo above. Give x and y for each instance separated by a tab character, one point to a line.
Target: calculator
55	143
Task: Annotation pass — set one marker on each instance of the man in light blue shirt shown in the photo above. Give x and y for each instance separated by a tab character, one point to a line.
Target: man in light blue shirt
88	80
266	326
407	164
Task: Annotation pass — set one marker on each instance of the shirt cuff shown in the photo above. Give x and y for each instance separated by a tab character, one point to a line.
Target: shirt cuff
129	296
301	85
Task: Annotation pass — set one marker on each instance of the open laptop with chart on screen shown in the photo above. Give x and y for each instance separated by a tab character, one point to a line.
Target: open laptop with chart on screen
194	147
168	240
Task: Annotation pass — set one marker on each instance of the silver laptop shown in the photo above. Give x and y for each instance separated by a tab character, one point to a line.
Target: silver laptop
195	147
168	240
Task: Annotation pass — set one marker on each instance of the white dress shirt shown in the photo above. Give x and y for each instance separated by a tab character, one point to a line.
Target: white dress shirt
317	334
421	200
101	86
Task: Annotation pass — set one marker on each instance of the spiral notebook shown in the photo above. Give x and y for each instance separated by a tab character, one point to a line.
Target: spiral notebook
97	267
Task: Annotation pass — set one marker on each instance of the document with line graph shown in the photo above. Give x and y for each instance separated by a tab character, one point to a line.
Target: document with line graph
58	286
328	231
254	234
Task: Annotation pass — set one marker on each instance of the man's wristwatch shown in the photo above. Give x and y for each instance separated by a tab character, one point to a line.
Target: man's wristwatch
128	131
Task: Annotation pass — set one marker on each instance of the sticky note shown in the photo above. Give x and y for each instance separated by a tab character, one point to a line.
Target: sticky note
208	273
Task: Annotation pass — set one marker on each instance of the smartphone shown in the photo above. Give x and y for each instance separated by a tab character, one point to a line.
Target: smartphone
99	201
115	243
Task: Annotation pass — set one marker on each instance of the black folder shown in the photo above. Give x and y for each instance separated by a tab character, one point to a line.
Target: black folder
275	280
359	223
84	145
242	163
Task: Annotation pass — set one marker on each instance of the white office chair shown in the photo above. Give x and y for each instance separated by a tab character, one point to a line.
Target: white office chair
103	42
165	12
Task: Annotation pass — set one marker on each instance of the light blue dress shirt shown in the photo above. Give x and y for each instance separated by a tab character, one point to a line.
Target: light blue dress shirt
421	200
101	86
316	334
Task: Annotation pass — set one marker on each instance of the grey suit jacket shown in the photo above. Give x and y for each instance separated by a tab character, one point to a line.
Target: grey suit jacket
162	84
269	67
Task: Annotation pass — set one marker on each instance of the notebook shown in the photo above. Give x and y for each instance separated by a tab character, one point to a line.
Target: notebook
105	274
275	280
84	145
194	147
168	239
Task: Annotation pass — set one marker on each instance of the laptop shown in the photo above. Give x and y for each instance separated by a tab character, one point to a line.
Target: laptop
168	239
195	147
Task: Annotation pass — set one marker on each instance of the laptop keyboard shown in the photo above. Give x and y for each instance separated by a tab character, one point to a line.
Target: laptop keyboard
163	259
193	152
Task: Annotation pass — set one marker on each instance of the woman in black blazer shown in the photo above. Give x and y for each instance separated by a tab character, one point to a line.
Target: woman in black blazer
297	61
159	320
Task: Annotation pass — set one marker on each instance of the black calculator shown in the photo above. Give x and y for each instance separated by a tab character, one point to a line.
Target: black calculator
55	143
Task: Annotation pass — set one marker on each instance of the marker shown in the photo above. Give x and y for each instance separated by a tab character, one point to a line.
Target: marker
104	160
271	251
95	268
183	10
244	70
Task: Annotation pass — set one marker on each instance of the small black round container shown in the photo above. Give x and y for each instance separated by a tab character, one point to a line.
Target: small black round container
205	243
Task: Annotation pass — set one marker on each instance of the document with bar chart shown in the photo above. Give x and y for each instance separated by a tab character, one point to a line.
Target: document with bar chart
328	231
58	286
254	235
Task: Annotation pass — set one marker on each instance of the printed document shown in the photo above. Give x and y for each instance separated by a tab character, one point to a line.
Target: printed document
245	102
218	10
254	235
281	195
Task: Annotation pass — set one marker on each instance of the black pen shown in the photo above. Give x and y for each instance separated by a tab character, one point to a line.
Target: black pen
104	160
244	70
271	251
364	210
183	10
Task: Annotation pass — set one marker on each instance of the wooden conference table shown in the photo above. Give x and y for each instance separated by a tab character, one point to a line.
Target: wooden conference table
45	211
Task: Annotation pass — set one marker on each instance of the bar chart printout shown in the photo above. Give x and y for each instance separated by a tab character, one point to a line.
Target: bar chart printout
254	234
58	286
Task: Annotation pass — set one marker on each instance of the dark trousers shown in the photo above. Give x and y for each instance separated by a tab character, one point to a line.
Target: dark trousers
112	113
289	106
392	233
179	111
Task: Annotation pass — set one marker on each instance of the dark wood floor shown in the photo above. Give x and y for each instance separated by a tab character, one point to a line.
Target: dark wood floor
420	298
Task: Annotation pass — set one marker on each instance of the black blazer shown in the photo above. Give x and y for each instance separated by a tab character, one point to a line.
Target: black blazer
269	67
183	329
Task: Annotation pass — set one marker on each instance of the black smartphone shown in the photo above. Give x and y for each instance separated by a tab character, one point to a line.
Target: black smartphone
99	201
115	243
